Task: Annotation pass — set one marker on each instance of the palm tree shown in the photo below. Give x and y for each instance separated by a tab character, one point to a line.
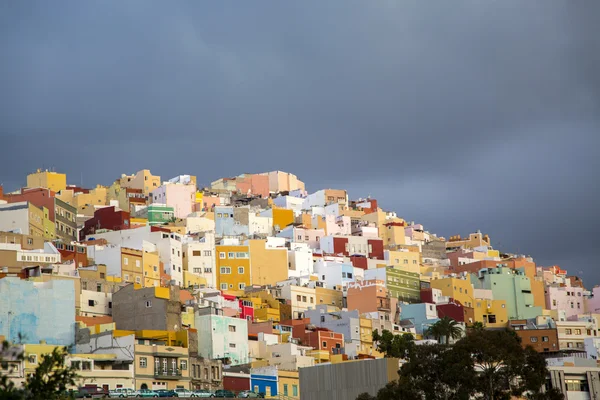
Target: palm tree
476	326
445	328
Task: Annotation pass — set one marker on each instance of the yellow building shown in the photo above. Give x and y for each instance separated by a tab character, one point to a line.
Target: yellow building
488	311
282	217
161	360
233	267
266	307
406	260
474	240
143	180
289	384
131	265
47	179
190	280
462	291
49	227
267	265
366	338
151	268
329	297
85	202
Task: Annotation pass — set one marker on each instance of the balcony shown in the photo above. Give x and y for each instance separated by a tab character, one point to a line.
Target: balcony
167	373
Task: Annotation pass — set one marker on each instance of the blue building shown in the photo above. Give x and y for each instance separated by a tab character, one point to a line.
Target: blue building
264	380
38	311
225	223
422	315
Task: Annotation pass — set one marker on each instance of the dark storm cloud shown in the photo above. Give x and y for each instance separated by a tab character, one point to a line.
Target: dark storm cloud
462	115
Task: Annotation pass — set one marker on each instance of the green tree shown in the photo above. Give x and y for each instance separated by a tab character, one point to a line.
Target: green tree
476	326
492	364
445	328
49	381
499	358
393	345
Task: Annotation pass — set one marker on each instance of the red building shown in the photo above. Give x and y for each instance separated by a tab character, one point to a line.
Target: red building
39	197
105	218
246	307
324	339
72	252
341	245
236	381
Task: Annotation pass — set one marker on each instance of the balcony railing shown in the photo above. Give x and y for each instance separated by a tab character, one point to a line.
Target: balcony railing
167	373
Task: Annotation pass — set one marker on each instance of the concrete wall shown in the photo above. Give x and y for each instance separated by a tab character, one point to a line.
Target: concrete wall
346	380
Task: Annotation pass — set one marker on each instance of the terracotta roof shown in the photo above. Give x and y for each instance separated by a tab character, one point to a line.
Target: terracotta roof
91	321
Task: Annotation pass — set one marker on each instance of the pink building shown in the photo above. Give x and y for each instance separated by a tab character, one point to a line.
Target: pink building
253	184
179	196
565	298
592	303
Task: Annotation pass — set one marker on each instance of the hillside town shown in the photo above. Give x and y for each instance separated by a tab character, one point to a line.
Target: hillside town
252	283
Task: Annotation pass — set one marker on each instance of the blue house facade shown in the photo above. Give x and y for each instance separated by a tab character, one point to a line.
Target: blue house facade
37	311
264	380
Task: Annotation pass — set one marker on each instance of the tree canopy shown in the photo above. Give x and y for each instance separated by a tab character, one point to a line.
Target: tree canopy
50	380
491	365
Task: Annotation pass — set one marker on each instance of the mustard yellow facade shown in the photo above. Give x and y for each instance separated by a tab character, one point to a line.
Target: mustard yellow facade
233	267
289	384
267	266
151	269
49	227
329	296
409	261
131	266
282	217
47	179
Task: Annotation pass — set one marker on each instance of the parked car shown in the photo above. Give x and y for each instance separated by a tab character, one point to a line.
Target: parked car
228	394
202	393
166	393
122	393
91	392
146	393
184	393
246	394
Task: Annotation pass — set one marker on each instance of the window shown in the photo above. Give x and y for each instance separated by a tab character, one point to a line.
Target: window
231	254
304	299
125	261
207	253
110	304
232	345
223	286
143	362
98	287
183	365
534	339
414	261
86	365
576	385
317	238
226	270
285	389
91	303
208	270
567	331
231	328
29	241
102	275
137	263
155	268
312	300
578	331
148	303
241	270
241	286
299	237
405	261
219	215
32	358
221	255
138	280
294	390
298	298
324	344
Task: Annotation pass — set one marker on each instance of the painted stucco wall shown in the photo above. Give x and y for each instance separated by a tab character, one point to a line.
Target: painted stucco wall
215	338
39	311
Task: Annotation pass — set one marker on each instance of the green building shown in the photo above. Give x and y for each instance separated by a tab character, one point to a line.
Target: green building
510	285
159	214
402	285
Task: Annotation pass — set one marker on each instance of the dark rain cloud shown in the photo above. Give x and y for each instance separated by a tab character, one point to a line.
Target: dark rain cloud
462	115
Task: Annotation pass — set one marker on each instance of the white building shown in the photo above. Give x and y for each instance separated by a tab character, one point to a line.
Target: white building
199	258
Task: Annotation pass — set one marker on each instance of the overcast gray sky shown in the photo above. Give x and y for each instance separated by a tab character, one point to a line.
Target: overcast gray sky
462	115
